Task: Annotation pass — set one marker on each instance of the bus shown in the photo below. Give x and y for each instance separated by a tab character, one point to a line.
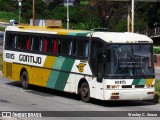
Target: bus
93	64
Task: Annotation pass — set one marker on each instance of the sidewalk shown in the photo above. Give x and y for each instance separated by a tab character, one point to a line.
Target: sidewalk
157	65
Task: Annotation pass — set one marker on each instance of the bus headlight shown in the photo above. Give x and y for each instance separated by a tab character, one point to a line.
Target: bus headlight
149	86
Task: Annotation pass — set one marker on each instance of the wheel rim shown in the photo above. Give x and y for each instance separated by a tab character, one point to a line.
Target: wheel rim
24	81
84	92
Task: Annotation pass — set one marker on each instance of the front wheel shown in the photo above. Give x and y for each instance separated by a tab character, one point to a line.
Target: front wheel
24	80
85	92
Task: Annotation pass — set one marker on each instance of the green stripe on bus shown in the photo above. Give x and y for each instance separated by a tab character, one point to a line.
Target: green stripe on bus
71	33
82	34
136	81
142	82
63	76
55	74
57	79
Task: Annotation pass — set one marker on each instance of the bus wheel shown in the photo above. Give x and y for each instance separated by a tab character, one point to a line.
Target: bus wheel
24	80
85	92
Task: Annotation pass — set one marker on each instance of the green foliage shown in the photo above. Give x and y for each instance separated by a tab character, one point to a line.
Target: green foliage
40	9
157	97
2	29
101	13
157	85
121	26
156	50
6	16
77	16
8	5
157	93
86	26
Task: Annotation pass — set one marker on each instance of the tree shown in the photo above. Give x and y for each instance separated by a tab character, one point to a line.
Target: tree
108	12
8	5
40	9
55	3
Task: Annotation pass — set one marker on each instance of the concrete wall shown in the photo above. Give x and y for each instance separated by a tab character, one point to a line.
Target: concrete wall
40	22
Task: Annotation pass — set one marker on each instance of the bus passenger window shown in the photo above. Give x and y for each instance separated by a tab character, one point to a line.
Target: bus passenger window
66	47
86	49
41	44
45	45
49	44
23	41
31	43
35	43
81	48
59	46
11	41
70	47
54	46
28	43
13	45
18	43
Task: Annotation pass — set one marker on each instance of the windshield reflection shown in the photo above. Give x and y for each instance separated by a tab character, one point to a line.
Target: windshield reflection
129	61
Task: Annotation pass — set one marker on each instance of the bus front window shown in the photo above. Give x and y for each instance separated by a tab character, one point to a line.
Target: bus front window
129	61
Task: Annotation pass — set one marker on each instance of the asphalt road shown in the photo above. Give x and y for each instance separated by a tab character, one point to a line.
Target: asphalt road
14	98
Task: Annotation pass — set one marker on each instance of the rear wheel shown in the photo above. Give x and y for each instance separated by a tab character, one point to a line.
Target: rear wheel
85	92
24	80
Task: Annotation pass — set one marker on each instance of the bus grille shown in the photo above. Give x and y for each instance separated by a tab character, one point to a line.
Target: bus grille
9	69
126	86
131	86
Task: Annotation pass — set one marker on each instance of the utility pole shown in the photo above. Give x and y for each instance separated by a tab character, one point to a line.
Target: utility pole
129	19
33	12
20	9
67	15
132	15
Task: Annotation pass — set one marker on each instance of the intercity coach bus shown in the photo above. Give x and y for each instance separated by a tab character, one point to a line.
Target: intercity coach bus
100	65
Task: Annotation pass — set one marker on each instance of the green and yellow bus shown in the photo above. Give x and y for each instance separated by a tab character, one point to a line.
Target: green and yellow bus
100	65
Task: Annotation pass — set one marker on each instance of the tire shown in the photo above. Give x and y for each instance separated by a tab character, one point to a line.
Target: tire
24	80
85	92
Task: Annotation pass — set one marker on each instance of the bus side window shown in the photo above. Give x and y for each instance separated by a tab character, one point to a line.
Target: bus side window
54	46
18	43
81	48
10	40
40	44
59	46
49	44
74	48
32	43
45	45
86	49
23	41
66	47
14	42
28	43
70	48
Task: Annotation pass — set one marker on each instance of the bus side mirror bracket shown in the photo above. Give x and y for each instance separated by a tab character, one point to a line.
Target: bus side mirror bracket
99	77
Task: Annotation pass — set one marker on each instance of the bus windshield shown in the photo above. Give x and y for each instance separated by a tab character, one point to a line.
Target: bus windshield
129	61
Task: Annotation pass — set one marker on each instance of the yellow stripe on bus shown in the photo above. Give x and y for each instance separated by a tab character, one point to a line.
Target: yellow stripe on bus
149	81
49	62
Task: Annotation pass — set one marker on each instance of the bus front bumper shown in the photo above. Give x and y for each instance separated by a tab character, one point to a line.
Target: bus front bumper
138	94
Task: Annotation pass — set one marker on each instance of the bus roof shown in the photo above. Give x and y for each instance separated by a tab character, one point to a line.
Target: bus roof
111	37
49	30
125	37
